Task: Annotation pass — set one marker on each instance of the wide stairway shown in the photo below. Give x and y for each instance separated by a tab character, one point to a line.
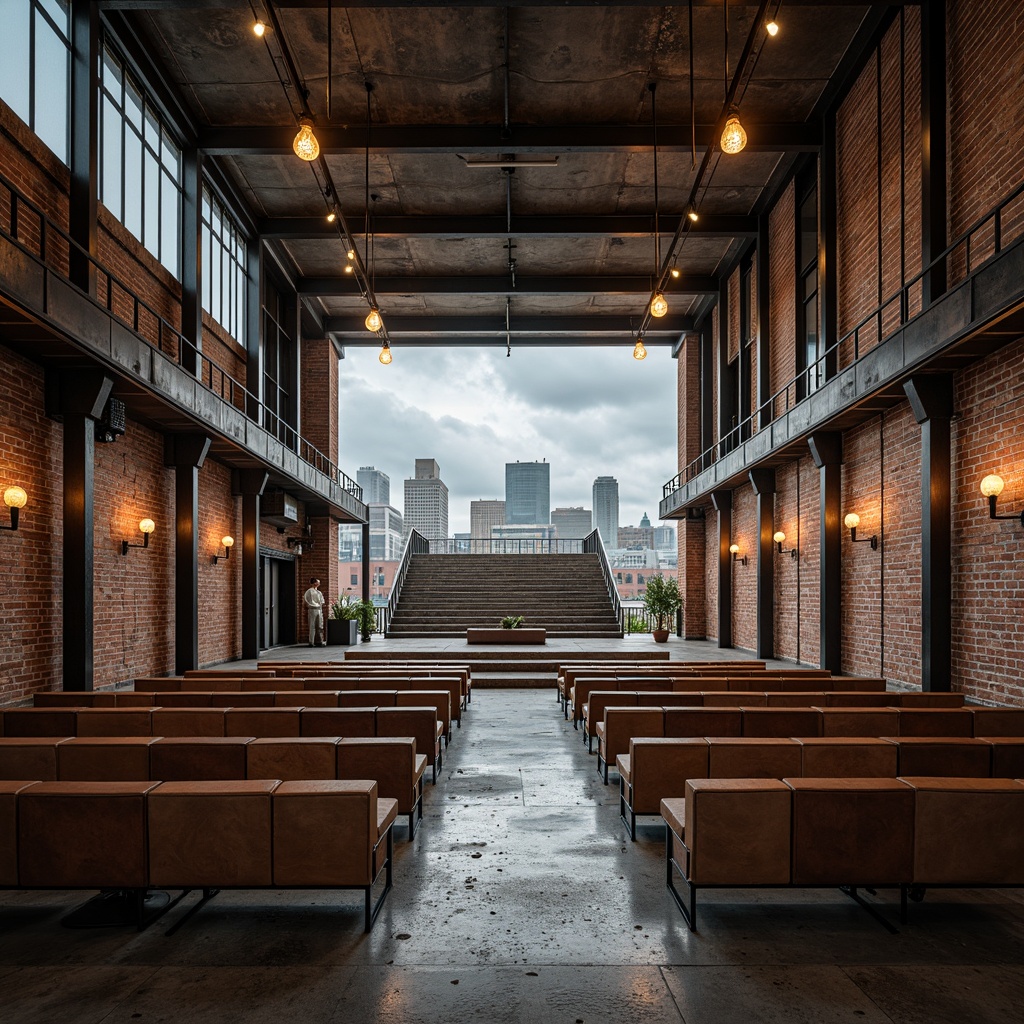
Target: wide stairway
444	595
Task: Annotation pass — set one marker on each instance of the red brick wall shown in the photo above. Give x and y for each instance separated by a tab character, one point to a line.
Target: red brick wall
988	555
711	572
782	275
692	575
220	585
744	577
319	423
30	558
809	563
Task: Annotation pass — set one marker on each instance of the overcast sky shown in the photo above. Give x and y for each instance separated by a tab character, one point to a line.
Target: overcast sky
589	412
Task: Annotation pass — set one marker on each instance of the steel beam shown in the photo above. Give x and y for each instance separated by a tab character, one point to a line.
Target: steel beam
931	399
546	327
827	452
214	5
686	284
249	483
483	226
763	482
490	140
933	149
722	501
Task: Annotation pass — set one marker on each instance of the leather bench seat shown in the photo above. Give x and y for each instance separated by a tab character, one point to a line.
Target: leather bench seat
9	790
935	722
848	757
361	721
41	721
246	699
998	721
644	780
367	699
954	756
291	758
417	722
197	758
30	757
857	721
1007	757
105	759
114	722
189	721
395	765
304	698
265	721
781	722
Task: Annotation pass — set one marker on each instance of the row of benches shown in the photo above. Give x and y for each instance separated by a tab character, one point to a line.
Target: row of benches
620	725
908	832
658	769
391	761
420	723
197	835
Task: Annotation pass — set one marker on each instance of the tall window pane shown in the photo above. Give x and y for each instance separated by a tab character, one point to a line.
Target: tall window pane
224	270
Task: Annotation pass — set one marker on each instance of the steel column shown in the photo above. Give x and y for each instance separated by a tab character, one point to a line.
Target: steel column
933	148
186	453
827	452
84	148
365	533
763	482
254	329
249	483
722	501
931	399
78	399
191	261
828	249
726	393
764	308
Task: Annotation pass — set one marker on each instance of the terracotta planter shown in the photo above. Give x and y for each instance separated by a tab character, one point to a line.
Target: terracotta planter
660	635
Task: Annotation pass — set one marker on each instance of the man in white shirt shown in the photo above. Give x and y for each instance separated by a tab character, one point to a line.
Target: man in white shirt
314	602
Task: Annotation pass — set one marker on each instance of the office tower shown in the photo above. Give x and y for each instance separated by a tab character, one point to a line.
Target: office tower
606	509
426	502
484	514
385	533
375	484
527	492
572	523
664	537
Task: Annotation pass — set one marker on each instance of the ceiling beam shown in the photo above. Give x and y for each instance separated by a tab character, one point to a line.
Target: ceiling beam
211	5
624	226
344	285
543	327
494	341
494	140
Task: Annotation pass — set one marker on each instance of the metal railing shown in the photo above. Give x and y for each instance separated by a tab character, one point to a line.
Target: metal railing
416	544
593	545
507	546
32	231
961	260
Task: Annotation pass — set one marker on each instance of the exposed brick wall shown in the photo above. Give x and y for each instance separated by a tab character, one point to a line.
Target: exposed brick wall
30	558
744	577
809	565
787	569
320	396
782	275
988	555
220	585
711	572
134	593
692	579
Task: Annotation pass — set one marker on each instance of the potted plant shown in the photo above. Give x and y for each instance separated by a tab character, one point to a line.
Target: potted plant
343	625
512	622
366	616
662	601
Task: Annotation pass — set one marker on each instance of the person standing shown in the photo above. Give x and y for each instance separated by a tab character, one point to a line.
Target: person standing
314	602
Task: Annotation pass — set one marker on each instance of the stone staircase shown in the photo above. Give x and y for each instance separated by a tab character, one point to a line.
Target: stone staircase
444	595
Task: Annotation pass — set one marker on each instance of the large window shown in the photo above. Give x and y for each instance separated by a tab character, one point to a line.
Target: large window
140	164
808	348
224	276
35	66
279	363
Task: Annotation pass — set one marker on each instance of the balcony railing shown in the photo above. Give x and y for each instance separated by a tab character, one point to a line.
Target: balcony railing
415	544
992	233
592	544
28	228
507	546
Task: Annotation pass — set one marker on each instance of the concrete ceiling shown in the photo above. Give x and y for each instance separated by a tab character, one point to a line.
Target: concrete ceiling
576	89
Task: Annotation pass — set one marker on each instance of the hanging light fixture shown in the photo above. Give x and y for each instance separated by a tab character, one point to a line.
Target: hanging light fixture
305	144
734	138
385	352
659	305
771	26
258	28
639	352
373	320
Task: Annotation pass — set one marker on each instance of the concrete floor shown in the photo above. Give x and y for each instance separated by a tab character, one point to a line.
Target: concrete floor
522	900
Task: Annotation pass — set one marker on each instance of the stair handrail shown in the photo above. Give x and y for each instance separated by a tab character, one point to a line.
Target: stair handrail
415	544
593	545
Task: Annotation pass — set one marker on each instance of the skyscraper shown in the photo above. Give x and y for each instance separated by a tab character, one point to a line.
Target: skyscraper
572	523
527	492
482	516
426	502
375	484
606	509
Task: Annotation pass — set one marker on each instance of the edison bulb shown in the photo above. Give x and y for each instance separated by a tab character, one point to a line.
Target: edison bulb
852	521
991	486
373	320
659	305
258	28
772	28
639	352
147	526
228	542
734	138
15	497
385	354
778	537
305	144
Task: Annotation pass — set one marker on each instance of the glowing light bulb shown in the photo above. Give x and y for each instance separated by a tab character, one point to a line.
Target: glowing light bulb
147	526
675	271
772	28
258	28
351	254
348	268
331	217
852	521
991	486
305	144
373	320
15	497
693	215
734	549
734	138
639	352
228	542
385	354
659	305
778	537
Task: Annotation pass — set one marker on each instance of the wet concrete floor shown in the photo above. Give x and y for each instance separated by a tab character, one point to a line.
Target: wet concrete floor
522	900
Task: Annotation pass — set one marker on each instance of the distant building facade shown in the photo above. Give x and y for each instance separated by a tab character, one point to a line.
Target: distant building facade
636	537
522	538
382	575
375	484
572	523
606	509
426	502
665	538
385	533
527	492
483	514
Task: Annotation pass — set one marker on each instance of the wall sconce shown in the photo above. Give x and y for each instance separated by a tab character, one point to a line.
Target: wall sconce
852	521
734	550
15	499
146	527
228	543
779	537
991	487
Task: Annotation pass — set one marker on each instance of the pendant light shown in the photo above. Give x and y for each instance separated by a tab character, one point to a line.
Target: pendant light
639	352
734	138
659	304
305	143
385	353
374	322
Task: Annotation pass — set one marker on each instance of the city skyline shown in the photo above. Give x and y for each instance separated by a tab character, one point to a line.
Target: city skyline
599	415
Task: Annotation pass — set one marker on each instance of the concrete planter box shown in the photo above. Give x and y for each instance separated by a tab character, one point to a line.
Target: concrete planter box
506	636
342	632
